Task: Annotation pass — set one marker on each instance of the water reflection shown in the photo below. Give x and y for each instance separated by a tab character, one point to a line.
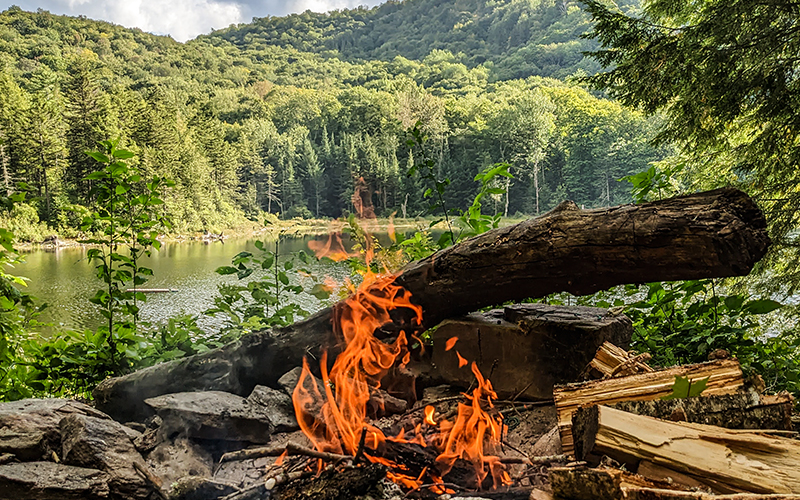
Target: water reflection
65	280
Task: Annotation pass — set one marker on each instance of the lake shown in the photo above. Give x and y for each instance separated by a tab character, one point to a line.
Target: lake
63	278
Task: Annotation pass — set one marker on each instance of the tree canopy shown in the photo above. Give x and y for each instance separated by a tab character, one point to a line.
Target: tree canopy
726	75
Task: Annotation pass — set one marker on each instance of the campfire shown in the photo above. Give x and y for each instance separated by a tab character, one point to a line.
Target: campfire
333	414
518	402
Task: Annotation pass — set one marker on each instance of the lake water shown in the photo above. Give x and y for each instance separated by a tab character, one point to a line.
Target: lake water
64	279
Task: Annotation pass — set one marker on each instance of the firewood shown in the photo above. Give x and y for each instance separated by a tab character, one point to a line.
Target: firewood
724	377
636	493
743	410
612	361
744	460
581	483
714	234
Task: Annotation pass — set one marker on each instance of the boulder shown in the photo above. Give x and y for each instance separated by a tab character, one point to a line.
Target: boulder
278	406
52	481
200	488
288	380
213	415
29	428
107	446
525	349
173	460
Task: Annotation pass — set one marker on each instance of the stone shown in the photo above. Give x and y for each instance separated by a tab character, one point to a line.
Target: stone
525	349
278	406
213	415
288	380
173	460
104	445
200	488
29	428
52	481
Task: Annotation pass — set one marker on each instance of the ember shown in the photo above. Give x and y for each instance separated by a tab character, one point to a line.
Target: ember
335	421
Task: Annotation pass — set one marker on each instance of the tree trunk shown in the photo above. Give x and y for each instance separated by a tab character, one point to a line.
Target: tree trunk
714	234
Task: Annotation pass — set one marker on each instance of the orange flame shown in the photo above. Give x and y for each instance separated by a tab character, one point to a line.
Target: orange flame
332	249
429	415
461	361
333	413
451	342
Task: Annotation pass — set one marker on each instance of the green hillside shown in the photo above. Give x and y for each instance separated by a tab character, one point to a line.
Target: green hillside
246	123
516	38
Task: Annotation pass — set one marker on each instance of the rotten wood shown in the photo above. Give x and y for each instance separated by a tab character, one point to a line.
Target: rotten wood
718	233
743	460
724	377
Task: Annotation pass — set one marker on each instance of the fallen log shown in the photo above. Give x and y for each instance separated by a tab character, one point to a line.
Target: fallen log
714	234
747	461
724	377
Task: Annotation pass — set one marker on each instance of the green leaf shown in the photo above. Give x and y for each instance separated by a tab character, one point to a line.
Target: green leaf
226	270
98	156
762	306
685	388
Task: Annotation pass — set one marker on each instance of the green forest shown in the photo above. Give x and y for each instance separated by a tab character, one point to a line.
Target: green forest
257	118
472	109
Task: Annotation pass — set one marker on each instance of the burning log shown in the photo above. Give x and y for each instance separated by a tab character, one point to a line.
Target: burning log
714	234
745	461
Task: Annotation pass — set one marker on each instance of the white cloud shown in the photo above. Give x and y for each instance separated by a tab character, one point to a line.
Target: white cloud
184	19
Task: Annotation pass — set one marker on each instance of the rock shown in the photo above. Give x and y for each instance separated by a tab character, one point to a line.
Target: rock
213	415
147	441
104	445
525	349
244	473
200	488
381	404
278	406
547	445
30	428
288	380
174	460
51	481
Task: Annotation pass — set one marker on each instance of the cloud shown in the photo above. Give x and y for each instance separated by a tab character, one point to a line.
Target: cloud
185	19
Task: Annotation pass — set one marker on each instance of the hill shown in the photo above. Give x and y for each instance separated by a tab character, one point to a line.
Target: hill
246	123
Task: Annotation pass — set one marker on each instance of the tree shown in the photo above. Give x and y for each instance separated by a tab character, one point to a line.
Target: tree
726	74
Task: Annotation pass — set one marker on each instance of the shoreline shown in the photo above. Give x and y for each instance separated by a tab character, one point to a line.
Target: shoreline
295	227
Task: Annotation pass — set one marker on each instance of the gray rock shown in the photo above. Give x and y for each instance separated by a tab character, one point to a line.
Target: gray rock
527	348
104	445
51	481
213	415
30	428
278	406
173	460
288	380
200	488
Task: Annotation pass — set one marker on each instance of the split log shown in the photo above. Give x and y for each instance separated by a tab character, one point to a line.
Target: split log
662	494
714	234
744	410
612	361
582	483
724	377
747	461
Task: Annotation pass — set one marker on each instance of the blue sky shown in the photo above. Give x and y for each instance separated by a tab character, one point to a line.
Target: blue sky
183	19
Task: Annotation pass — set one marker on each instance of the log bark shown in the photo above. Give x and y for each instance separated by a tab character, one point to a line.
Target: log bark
724	377
747	461
714	234
744	410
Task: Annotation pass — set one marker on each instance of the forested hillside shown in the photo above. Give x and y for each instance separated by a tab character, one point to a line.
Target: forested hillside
246	124
516	38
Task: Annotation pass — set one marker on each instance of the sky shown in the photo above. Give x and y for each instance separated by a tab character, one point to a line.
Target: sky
182	19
